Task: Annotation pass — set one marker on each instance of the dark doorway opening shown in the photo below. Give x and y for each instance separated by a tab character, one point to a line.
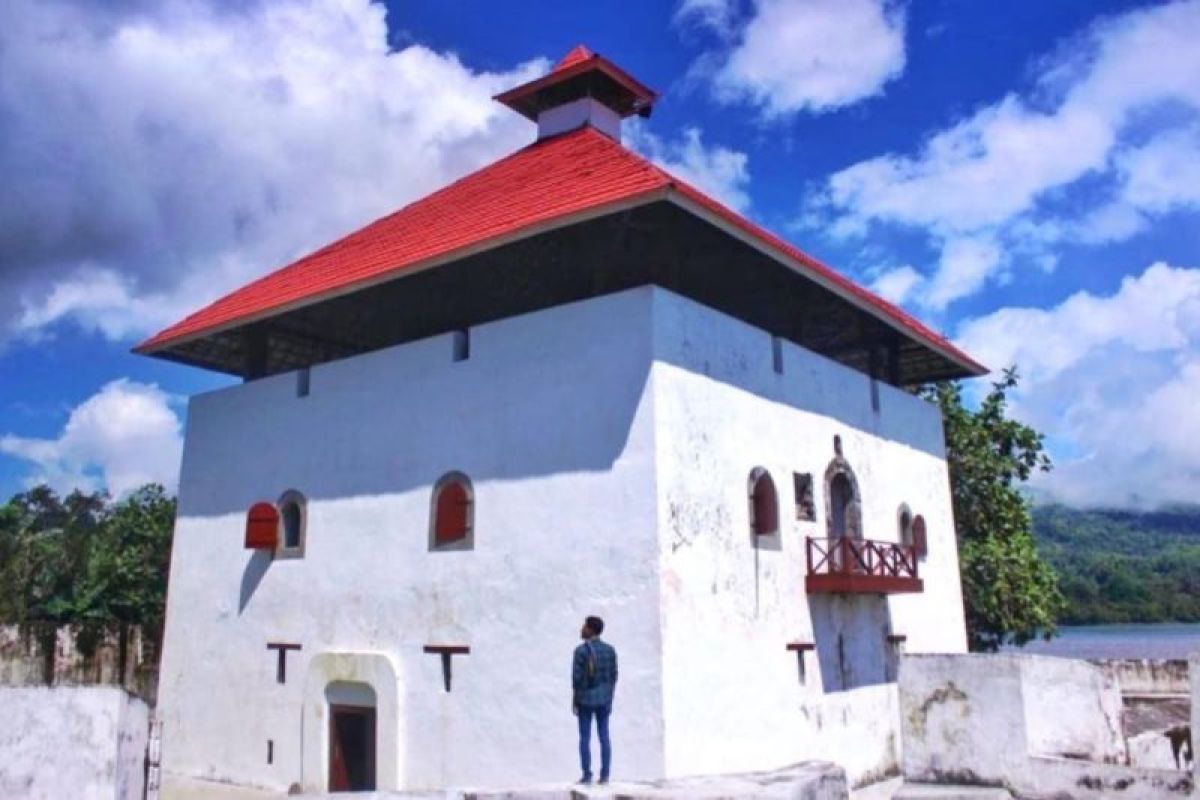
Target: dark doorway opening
351	748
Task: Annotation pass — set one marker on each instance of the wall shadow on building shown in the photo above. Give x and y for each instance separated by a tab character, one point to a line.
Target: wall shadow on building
850	633
252	575
536	398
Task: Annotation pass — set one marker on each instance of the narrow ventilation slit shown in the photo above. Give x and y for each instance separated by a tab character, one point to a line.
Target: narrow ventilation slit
462	345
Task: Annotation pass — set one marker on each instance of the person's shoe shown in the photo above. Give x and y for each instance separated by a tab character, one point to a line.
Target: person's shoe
586	780
603	780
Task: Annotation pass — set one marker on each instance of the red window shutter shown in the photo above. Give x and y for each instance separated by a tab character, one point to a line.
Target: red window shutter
766	506
453	513
919	541
262	527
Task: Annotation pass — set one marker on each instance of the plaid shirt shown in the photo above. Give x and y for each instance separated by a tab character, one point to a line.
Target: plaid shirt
594	673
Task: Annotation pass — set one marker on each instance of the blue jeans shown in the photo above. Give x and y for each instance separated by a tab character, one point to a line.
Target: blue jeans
585	739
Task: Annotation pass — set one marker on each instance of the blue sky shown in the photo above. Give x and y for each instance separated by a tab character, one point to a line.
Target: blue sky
1024	176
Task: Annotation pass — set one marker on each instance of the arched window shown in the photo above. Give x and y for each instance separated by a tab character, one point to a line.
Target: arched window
764	503
841	495
904	522
453	517
920	541
293	520
843	511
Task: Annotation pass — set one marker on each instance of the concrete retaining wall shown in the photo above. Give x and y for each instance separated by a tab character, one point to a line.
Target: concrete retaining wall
53	658
1072	709
83	743
997	720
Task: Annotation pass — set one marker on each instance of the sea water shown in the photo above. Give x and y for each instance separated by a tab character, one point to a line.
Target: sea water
1164	640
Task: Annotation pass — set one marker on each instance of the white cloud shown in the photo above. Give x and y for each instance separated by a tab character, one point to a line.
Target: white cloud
1158	177
120	438
1113	380
980	172
1001	172
718	171
717	15
156	155
964	267
898	284
801	55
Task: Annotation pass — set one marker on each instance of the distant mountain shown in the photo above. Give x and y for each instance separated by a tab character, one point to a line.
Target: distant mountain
1124	565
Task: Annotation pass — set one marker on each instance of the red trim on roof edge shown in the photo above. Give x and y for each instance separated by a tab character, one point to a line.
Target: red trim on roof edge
601	174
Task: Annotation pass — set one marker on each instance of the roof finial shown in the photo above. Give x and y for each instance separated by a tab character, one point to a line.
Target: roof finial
579	52
584	88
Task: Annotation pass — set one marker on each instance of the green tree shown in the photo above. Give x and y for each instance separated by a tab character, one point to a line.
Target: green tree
85	561
126	579
1011	594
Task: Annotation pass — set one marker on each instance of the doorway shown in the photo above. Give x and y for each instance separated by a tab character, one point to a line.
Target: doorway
351	749
351	737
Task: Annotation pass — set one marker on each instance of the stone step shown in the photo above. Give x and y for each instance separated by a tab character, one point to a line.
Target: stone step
931	791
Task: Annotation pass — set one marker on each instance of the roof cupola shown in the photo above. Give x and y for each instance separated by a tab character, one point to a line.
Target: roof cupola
584	88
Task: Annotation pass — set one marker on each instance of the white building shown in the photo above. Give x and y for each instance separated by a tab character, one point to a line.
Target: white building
567	384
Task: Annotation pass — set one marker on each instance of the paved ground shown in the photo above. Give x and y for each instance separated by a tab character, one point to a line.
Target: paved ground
190	789
884	790
811	780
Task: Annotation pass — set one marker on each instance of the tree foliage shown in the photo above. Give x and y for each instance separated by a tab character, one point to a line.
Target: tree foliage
1011	594
86	561
1121	566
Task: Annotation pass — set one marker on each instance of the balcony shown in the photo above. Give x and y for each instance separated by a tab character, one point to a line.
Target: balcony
861	566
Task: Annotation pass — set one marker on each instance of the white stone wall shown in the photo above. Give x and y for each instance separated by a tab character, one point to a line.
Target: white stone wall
83	743
733	697
550	419
609	443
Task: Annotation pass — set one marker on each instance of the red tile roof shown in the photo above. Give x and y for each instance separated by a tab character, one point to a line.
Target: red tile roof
547	184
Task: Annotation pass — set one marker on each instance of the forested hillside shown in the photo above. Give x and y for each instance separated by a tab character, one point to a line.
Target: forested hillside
1124	566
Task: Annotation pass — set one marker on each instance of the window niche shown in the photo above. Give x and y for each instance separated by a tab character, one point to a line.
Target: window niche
764	503
452	516
293	524
806	508
843	511
904	525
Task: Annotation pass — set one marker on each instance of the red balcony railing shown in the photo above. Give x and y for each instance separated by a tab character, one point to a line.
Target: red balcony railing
864	566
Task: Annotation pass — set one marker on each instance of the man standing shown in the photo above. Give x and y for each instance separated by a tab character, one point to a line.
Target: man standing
594	678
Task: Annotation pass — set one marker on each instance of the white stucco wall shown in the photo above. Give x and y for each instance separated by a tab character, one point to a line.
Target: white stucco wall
551	420
733	698
81	742
609	444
